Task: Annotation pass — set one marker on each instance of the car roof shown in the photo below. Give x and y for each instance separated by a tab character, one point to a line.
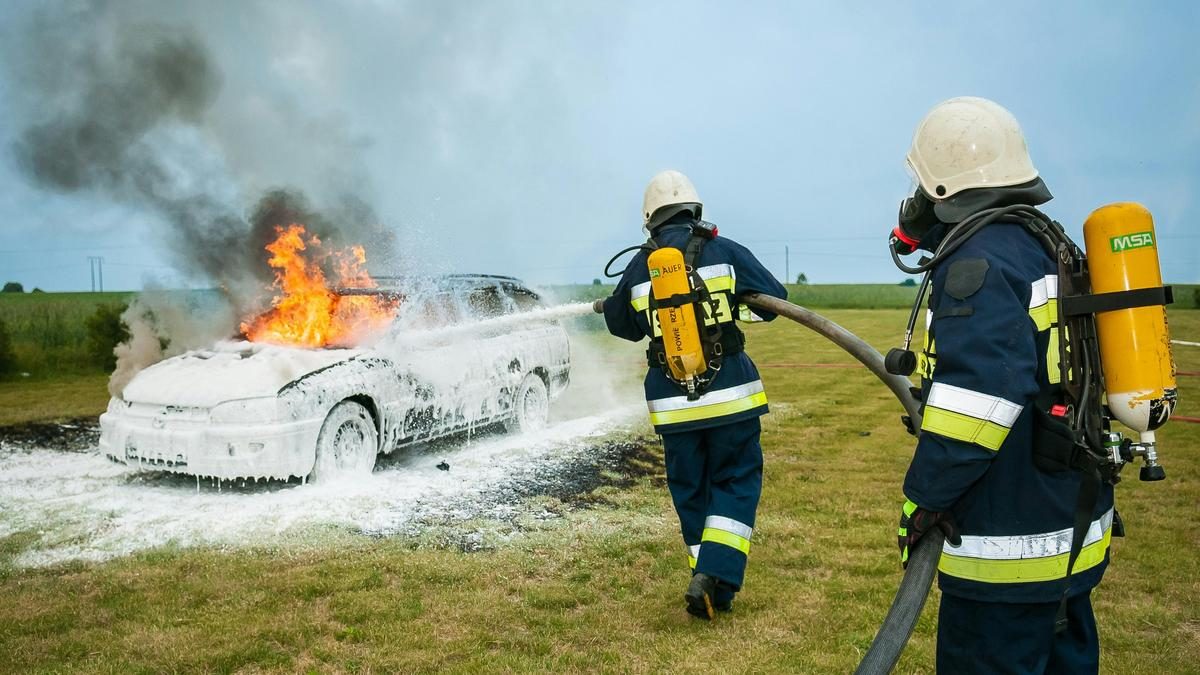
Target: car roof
444	282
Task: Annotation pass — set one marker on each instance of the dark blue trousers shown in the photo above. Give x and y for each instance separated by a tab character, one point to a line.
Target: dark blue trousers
1016	639
715	478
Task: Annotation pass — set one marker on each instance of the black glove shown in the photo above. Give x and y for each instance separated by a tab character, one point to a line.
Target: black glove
916	521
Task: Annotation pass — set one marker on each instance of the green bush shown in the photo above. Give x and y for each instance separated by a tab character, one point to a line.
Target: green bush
105	331
13	287
8	359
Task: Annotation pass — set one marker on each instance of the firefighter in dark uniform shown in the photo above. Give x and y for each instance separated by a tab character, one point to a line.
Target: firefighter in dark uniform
713	457
990	354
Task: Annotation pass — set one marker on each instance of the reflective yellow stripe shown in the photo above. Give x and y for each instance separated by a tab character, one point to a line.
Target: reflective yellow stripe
1044	315
747	315
1052	358
693	553
722	283
927	359
1021	570
1043	301
727	538
717	278
724	314
963	428
692	562
710	411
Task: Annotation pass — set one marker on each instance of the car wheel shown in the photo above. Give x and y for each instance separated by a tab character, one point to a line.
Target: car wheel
348	443
531	406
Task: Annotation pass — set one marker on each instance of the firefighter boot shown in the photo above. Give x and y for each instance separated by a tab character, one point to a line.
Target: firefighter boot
699	596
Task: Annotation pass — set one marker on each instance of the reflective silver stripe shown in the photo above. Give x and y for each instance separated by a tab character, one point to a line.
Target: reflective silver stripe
710	398
639	292
928	320
694	551
1043	290
1023	547
714	271
729	525
974	404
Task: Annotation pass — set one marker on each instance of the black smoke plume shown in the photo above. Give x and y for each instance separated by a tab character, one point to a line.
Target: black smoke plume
125	110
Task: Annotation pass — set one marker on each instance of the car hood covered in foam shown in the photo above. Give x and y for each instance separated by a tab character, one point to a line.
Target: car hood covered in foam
229	370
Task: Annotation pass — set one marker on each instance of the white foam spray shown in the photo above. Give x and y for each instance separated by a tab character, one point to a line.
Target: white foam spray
83	507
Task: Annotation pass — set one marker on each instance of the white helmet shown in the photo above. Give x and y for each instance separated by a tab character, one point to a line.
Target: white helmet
668	188
966	143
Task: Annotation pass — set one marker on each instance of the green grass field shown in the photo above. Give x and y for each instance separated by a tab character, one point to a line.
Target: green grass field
48	330
600	590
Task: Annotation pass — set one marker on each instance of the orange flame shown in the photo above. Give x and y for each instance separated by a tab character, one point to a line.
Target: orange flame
307	312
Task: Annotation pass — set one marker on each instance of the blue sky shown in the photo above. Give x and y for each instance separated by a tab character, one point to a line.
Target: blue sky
516	137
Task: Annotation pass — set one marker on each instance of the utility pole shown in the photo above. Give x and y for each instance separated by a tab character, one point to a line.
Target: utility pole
96	268
787	265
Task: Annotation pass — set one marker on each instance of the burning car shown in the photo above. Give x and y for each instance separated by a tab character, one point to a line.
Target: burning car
451	354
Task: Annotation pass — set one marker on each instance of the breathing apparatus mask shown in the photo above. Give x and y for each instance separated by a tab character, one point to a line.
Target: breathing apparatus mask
915	219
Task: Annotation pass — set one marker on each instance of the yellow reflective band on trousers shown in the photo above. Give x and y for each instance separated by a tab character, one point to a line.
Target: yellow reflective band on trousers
693	554
963	428
728	532
1016	559
717	403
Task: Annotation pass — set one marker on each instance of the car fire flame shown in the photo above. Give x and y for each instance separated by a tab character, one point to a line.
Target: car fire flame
306	312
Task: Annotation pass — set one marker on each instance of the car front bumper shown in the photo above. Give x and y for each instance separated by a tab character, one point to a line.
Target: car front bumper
259	450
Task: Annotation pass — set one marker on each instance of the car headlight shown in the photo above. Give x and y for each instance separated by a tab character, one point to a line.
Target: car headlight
246	411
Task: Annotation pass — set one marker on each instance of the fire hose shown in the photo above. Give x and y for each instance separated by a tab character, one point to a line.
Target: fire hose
910	598
901	619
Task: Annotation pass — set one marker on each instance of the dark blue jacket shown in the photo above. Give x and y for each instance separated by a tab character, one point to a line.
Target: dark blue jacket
991	347
729	271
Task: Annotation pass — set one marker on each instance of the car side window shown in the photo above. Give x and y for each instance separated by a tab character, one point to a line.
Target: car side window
431	310
485	303
524	301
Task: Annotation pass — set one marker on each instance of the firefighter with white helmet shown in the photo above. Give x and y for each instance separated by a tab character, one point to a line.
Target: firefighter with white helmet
707	412
1015	582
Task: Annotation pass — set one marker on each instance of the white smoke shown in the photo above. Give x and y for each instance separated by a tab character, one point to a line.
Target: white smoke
163	324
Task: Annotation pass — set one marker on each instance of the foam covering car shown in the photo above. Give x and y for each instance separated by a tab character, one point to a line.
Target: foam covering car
449	362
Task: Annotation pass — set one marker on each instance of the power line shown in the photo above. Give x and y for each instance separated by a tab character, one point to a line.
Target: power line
71	249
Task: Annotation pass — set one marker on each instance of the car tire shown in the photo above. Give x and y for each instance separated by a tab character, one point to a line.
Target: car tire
530	406
347	445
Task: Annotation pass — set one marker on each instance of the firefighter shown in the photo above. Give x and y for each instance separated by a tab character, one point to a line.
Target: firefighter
713	456
990	357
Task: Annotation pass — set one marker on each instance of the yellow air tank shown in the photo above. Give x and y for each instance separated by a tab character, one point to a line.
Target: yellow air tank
680	331
1135	347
